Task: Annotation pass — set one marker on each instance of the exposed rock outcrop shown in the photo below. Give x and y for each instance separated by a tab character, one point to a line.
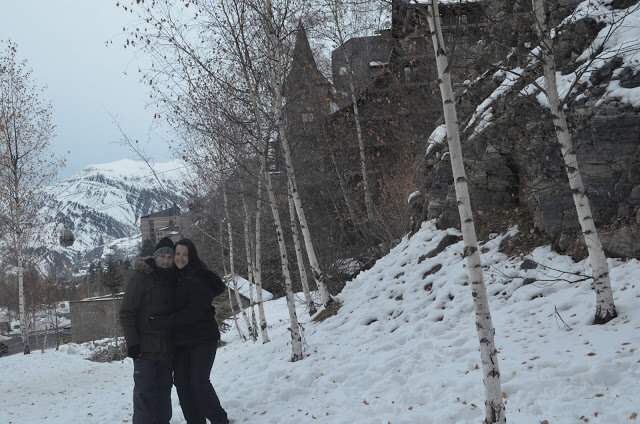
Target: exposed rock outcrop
513	160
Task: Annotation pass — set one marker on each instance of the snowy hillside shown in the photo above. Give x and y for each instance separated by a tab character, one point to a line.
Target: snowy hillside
402	349
102	205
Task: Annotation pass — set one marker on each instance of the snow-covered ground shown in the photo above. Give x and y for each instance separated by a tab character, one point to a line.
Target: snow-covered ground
401	349
244	287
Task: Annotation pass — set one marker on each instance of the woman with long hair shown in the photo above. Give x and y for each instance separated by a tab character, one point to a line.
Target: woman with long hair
196	335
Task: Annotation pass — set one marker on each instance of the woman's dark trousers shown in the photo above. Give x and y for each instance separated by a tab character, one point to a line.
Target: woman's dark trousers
198	399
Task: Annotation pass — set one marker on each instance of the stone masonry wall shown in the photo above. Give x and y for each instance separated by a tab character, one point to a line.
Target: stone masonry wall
95	319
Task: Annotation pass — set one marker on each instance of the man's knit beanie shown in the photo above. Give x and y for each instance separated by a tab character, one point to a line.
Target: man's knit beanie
165	245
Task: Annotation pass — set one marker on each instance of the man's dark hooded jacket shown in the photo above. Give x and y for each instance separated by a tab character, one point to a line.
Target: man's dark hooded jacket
150	291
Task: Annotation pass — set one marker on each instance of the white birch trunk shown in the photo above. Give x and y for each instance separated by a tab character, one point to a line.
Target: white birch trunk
249	258
232	264
368	202
605	307
494	406
233	312
24	329
253	84
228	283
258	263
277	103
296	337
299	257
258	258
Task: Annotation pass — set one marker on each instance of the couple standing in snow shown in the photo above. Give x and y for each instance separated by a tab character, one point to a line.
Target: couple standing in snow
172	335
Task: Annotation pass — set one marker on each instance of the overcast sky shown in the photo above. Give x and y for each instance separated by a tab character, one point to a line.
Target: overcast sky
88	83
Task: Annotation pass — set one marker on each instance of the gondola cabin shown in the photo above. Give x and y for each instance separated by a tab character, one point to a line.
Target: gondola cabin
66	238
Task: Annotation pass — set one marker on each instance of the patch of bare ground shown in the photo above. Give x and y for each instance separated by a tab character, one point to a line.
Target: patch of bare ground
331	309
524	242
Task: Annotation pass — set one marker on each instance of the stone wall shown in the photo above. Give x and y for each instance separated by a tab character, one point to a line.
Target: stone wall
94	319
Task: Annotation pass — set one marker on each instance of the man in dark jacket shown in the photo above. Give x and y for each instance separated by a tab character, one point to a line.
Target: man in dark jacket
149	292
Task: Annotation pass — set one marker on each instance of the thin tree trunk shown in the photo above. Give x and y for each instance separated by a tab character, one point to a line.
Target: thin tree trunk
233	312
605	307
343	189
44	338
232	263
299	257
249	258
56	323
277	103
296	337
368	202
24	330
258	263
495	410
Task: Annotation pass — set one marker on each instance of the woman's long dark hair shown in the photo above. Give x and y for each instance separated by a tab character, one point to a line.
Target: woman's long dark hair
194	260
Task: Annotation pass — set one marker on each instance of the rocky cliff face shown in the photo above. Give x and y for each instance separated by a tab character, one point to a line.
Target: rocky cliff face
512	158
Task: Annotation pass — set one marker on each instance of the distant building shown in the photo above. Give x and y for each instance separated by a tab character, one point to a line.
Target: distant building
165	223
359	61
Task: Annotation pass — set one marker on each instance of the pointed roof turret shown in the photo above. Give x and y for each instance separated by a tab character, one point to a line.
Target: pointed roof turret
304	69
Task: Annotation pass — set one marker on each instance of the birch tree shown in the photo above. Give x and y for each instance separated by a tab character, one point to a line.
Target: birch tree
296	337
299	258
345	20
248	248
258	264
274	26
237	15
605	307
26	164
234	277
494	406
228	281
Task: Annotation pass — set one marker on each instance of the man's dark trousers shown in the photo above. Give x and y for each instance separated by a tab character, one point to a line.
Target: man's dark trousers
152	391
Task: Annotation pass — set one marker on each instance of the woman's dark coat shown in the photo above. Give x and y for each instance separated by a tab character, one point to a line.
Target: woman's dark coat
195	321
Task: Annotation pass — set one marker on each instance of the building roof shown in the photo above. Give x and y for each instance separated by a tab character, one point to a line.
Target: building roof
304	69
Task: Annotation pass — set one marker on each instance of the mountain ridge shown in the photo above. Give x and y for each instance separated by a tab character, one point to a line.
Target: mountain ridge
101	205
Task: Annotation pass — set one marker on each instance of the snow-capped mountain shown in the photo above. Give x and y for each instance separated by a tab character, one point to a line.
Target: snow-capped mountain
102	205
